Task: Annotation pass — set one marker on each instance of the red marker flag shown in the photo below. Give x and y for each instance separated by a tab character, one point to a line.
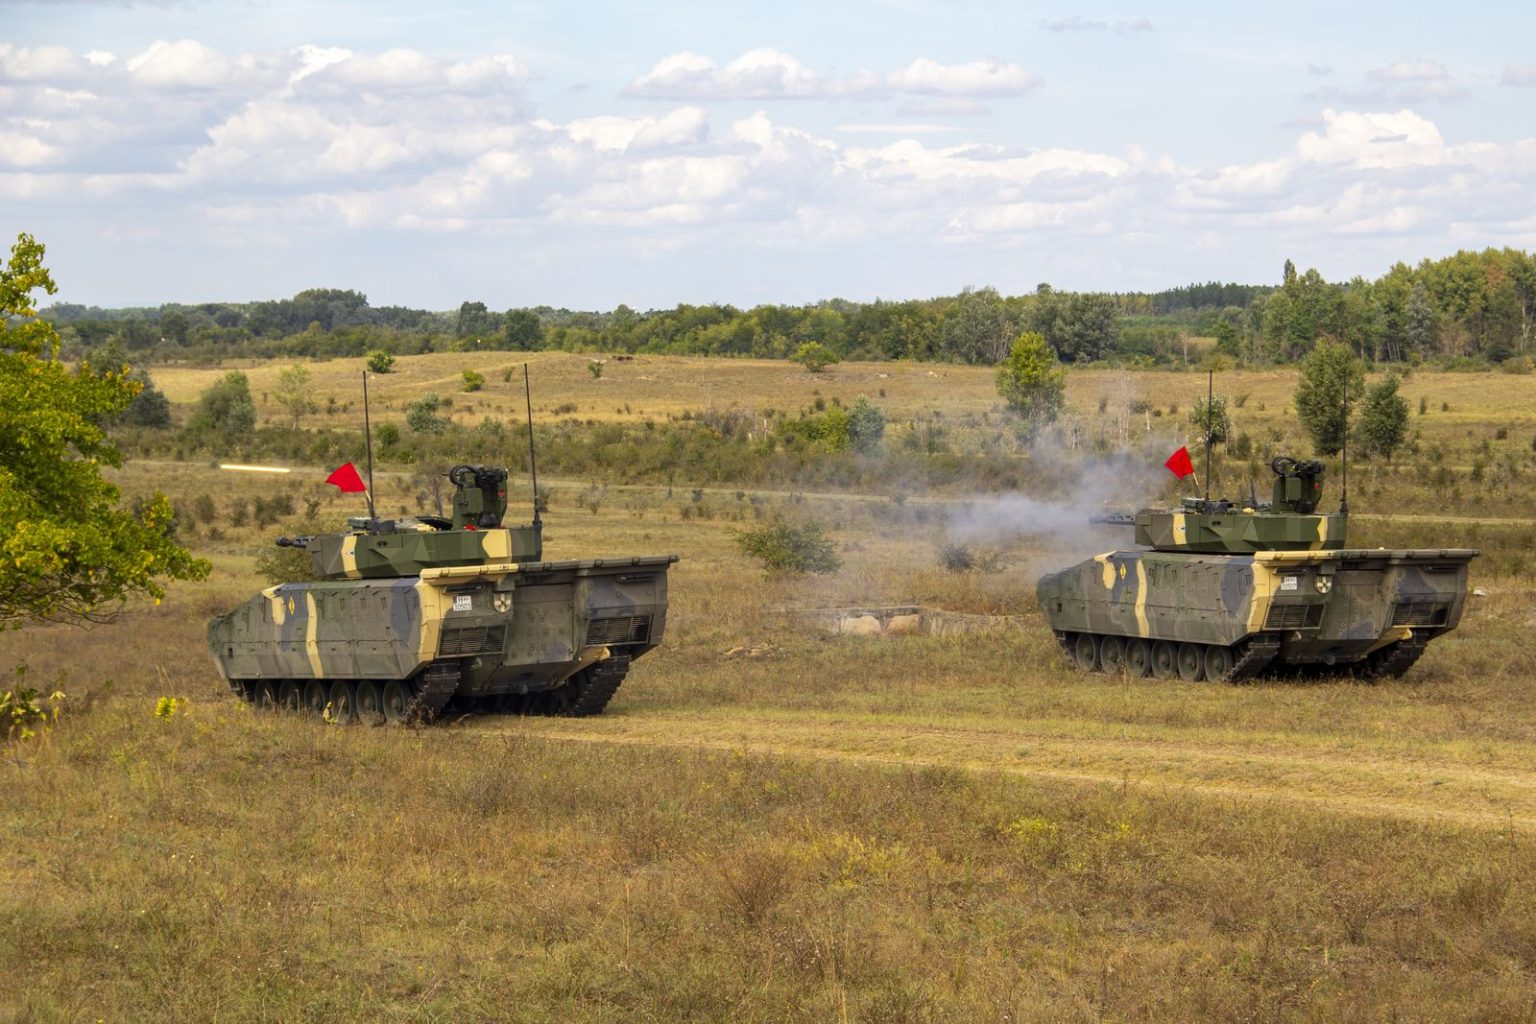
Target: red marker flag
1178	464
347	479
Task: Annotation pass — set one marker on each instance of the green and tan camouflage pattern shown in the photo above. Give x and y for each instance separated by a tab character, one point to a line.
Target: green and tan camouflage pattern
1238	530
1322	606
406	552
513	627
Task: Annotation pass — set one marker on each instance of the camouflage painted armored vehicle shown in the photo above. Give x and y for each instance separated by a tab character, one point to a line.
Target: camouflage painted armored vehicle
407	617
1224	591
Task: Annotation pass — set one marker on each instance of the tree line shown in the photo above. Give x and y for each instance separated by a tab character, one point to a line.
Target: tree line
1476	307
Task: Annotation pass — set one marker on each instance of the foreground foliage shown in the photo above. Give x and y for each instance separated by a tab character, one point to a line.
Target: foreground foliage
67	551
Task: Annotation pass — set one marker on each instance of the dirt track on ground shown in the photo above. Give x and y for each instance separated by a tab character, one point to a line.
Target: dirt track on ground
1425	784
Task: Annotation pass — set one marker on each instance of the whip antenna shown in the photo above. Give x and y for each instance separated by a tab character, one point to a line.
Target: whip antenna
368	439
1210	389
1344	457
533	464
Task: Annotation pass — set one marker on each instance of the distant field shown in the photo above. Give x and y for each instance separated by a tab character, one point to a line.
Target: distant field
657	387
771	824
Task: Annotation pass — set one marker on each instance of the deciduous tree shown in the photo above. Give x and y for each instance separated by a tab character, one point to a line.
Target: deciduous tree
225	412
294	393
1032	382
68	552
814	356
1384	418
1320	394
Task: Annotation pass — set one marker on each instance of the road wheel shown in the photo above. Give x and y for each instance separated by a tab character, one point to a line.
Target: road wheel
1218	663
343	702
264	694
289	696
1111	655
1085	651
397	698
316	694
1191	663
1138	658
1165	660
370	703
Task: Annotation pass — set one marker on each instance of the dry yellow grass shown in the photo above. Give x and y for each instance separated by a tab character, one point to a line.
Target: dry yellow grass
657	387
880	829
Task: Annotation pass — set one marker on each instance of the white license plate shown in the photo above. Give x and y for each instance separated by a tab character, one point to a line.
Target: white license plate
1288	583
464	603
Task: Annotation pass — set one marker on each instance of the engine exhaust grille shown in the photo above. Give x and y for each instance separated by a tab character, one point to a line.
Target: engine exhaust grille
621	629
462	640
1294	616
1420	613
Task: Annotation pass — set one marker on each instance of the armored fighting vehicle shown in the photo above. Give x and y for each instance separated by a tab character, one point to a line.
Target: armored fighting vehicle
1221	590
407	617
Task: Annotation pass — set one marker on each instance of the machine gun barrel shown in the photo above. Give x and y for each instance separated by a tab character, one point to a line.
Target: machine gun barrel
294	542
1114	519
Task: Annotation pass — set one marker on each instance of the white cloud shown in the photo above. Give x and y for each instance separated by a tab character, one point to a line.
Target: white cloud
757	74
51	64
185	64
1521	75
1402	139
978	78
619	134
320	143
771	74
1411	69
1077	23
1405	80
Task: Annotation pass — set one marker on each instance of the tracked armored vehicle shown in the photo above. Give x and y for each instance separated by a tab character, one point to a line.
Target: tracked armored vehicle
1219	590
408	618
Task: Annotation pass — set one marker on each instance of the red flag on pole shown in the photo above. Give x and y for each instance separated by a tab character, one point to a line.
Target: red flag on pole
347	479
1179	464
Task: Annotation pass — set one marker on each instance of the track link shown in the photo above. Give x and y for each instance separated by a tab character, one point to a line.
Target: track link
1256	656
435	689
595	687
1394	661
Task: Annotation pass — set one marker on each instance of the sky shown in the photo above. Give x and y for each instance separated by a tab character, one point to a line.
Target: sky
585	154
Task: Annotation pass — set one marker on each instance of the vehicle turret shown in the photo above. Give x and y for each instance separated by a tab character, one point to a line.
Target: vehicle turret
1288	522
473	535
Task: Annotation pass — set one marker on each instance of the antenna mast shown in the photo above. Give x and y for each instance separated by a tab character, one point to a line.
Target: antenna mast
368	439
533	465
1344	457
1210	388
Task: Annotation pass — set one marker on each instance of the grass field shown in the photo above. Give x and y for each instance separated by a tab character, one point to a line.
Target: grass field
771	824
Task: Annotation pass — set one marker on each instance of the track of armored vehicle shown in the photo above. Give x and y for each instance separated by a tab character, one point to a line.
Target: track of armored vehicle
408	619
1224	591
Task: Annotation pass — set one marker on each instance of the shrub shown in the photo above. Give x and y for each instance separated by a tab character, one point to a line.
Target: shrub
23	713
381	361
814	356
473	381
203	509
595	368
790	548
958	557
866	426
421	415
592	498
